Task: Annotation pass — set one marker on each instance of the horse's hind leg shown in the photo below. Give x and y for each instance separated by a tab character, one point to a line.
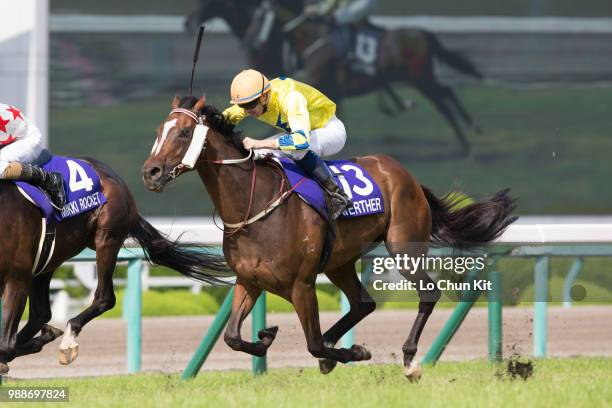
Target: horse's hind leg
408	235
450	93
13	303
107	248
432	90
244	299
361	303
304	299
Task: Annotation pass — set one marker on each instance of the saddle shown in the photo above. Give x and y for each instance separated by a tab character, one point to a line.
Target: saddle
358	46
84	194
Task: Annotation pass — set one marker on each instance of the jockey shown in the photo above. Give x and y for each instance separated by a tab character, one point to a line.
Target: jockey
307	118
20	146
344	16
345	12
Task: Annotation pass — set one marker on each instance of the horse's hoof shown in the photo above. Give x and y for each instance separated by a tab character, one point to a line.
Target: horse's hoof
67	356
268	333
361	352
326	365
4	368
413	372
51	332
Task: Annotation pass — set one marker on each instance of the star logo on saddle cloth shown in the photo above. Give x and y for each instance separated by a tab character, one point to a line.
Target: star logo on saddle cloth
3	124
16	113
280	124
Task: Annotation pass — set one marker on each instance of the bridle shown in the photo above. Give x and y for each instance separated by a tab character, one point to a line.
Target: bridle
271	205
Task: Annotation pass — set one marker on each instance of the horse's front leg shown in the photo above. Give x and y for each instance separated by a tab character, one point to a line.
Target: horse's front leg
107	248
244	299
14	298
40	314
304	299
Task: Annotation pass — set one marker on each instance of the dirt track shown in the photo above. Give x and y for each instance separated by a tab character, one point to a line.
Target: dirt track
168	343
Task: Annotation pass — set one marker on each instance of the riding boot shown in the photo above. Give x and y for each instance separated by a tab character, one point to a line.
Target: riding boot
51	183
312	164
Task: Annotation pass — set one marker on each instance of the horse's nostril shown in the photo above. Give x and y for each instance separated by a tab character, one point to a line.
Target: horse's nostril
154	172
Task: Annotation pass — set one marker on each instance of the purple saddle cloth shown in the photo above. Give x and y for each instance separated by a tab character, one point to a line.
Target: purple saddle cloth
82	185
354	180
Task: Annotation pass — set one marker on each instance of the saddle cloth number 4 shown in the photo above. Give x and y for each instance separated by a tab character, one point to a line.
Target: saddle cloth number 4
364	190
79	180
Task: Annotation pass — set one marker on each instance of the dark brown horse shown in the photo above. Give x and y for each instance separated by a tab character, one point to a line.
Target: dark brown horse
281	252
104	230
404	55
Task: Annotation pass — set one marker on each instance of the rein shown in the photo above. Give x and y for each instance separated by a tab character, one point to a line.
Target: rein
270	206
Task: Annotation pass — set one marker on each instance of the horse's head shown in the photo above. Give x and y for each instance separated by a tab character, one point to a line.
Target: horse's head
177	145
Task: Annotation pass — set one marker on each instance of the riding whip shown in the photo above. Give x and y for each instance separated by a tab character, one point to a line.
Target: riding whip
196	53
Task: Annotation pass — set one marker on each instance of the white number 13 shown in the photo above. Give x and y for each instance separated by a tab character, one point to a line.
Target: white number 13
362	191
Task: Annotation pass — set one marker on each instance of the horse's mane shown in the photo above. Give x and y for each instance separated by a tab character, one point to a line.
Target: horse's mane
216	120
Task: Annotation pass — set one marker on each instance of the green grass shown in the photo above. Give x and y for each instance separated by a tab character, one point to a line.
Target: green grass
551	146
578	382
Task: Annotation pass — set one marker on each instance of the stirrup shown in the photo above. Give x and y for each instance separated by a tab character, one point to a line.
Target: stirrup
338	203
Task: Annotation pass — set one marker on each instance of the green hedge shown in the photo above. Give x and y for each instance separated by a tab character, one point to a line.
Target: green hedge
170	303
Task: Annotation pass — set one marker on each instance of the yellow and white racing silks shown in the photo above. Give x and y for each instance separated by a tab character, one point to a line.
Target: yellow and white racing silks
294	107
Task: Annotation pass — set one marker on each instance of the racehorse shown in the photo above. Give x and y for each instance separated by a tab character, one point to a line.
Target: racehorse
279	250
104	230
400	55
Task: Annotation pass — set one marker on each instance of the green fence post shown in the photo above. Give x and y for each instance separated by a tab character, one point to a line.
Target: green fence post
134	315
569	281
259	323
468	298
210	338
495	314
540	320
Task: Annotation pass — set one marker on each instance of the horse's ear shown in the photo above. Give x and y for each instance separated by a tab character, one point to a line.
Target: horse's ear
199	104
176	102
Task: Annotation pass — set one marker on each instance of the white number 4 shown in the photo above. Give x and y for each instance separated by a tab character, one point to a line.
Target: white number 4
78	177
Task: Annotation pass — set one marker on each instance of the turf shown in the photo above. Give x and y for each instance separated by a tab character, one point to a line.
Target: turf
577	382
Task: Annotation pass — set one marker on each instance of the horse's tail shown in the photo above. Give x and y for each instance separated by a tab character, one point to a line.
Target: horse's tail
453	58
192	260
472	225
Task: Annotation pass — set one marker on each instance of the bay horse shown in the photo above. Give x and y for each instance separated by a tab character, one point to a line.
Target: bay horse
404	55
280	252
104	229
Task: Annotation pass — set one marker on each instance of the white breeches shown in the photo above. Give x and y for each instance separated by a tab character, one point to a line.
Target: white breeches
25	150
356	11
325	142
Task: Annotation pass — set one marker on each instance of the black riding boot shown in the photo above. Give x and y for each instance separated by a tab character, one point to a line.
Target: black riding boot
317	169
51	183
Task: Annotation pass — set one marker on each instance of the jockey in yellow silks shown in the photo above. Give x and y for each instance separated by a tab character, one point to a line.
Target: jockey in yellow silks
21	145
305	115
